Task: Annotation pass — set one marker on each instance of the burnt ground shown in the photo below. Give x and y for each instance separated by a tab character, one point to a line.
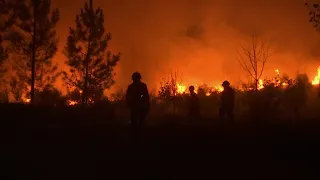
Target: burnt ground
87	144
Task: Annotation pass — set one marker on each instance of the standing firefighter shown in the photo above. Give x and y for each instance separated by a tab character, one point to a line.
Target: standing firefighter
193	104
227	101
137	97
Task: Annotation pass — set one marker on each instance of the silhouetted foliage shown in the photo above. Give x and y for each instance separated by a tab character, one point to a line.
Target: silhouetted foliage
17	88
50	96
74	95
4	95
118	95
3	57
204	90
91	64
35	43
314	13
7	17
296	96
165	92
253	58
169	89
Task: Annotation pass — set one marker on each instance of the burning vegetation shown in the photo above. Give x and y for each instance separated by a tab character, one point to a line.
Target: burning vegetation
277	81
173	88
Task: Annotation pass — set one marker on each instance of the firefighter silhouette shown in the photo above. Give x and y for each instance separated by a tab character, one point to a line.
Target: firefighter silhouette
138	100
193	104
226	101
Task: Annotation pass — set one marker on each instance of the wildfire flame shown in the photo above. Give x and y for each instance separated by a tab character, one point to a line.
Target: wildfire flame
316	79
181	88
26	100
72	103
260	84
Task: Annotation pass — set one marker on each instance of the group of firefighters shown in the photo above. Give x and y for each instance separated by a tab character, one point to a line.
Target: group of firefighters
138	100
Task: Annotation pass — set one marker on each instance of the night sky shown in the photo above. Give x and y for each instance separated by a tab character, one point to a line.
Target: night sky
199	38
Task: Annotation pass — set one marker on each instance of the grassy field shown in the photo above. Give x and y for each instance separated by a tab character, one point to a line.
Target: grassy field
93	143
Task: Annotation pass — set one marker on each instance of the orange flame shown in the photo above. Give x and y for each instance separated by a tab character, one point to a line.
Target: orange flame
26	100
218	88
72	103
316	79
260	84
181	88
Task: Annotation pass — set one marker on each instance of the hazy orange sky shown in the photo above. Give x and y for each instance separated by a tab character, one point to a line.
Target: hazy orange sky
199	38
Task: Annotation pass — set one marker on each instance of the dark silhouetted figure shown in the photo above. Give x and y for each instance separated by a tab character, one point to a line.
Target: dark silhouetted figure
138	100
193	104
227	101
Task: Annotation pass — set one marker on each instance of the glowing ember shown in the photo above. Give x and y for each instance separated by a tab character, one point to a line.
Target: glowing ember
316	79
277	71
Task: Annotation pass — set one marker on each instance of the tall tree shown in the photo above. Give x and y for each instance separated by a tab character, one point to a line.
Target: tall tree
35	43
253	59
314	13
7	17
91	64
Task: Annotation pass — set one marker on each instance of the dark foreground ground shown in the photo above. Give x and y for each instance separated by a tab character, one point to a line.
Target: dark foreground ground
86	144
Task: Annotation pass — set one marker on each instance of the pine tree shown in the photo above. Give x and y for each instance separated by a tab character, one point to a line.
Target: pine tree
6	21
35	43
91	64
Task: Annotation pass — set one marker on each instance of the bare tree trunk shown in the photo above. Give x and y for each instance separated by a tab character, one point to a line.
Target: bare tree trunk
84	93
253	60
174	91
85	87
